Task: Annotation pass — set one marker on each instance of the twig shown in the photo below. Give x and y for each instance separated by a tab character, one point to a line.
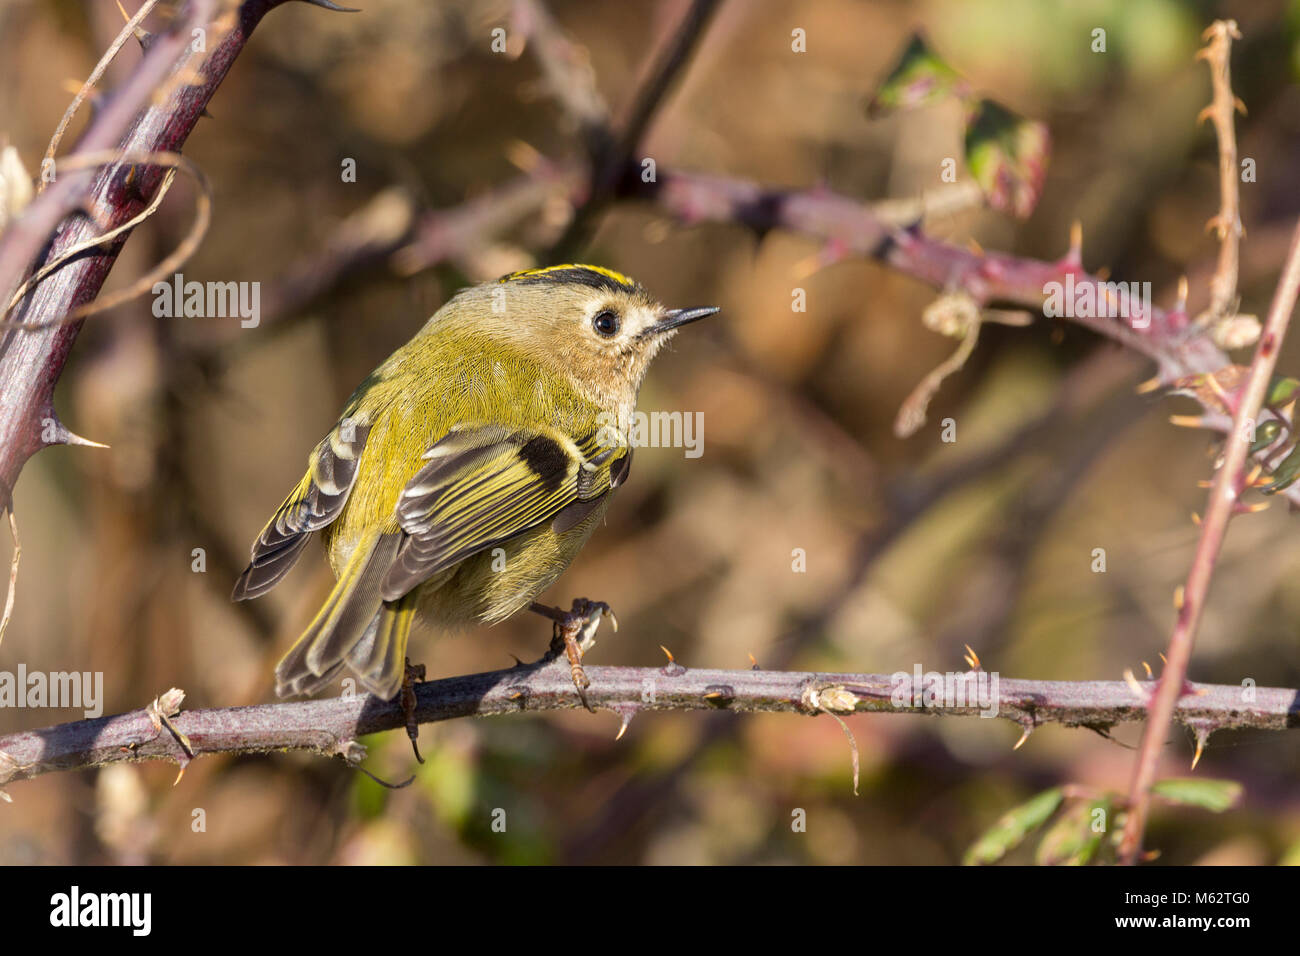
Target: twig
567	70
445	234
32	361
608	163
1227	224
331	727
23	239
174	259
95	75
12	591
1222	504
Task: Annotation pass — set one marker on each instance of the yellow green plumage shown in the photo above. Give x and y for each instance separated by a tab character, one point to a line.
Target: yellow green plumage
467	471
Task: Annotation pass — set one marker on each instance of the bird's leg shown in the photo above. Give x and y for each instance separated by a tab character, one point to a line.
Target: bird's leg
414	674
575	633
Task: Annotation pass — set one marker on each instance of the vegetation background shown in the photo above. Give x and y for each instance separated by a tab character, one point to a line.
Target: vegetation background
210	425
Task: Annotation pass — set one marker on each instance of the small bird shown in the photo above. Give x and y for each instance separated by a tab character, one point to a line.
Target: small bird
467	470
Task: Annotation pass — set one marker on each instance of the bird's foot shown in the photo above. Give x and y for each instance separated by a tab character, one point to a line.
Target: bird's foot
574	635
413	675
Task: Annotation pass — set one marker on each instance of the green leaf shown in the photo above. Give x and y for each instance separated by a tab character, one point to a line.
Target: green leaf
1007	154
1214	795
1281	391
1265	434
1285	473
1016	824
921	77
1072	841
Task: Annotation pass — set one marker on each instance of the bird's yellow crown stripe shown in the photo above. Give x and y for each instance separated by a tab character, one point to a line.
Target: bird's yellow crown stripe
599	270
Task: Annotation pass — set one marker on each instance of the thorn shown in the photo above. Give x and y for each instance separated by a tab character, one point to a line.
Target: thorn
671	660
142	35
517	695
1150	675
973	244
1103	273
753	664
1150	385
972	658
1074	255
1182	294
1206	113
1023	737
181	772
1163	659
1180	594
713	695
1212	382
1196	519
1241	107
1134	686
625	714
1256	508
1200	747
62	436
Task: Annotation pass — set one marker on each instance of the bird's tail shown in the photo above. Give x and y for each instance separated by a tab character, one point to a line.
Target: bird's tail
355	626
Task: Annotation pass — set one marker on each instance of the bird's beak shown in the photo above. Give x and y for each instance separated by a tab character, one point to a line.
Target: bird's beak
676	318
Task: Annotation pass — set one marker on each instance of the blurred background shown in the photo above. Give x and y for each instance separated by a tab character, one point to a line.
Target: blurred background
914	547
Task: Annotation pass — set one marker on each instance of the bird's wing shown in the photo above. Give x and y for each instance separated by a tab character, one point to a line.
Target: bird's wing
318	499
484	484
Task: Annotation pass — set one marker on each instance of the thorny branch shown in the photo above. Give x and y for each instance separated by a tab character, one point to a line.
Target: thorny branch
1227	224
84	204
411	241
1230	481
1224	502
332	727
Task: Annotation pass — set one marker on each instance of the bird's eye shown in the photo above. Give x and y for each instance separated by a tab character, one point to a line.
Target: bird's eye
606	323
